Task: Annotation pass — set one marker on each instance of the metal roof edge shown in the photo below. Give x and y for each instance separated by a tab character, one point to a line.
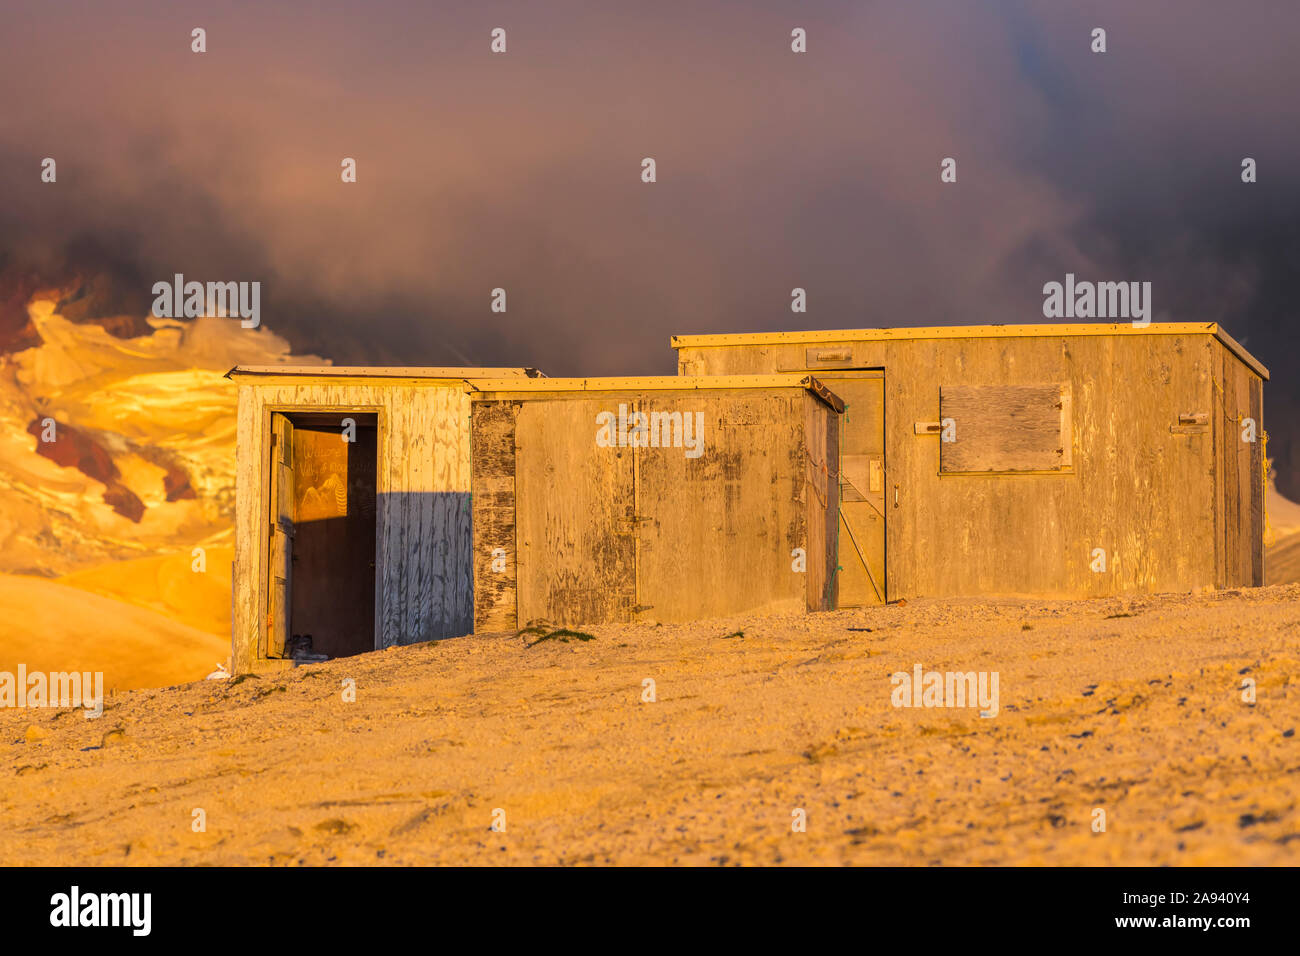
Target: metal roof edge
448	373
969	331
1237	349
665	383
936	332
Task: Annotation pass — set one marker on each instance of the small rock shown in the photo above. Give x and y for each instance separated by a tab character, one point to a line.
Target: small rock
35	733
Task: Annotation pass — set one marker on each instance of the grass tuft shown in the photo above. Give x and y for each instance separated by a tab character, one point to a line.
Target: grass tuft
545	631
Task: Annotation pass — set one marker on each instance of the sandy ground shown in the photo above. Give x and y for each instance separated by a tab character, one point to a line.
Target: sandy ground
1130	706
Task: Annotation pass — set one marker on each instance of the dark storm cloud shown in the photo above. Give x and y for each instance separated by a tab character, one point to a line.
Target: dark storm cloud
775	170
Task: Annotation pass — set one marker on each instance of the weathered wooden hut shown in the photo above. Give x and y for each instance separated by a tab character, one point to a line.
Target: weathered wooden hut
1054	460
652	499
352	508
386	506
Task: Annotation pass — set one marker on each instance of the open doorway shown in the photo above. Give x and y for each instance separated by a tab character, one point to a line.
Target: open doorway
322	560
863	497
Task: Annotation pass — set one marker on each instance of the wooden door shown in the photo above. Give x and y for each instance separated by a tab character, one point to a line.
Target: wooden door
862	486
280	531
333	596
574	526
715	530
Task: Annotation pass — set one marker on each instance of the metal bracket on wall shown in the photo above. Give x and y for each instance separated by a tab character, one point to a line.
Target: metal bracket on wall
821	358
1190	423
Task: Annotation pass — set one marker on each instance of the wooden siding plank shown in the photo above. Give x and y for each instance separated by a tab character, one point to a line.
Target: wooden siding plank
574	510
250	562
1218	430
1239	395
1257	479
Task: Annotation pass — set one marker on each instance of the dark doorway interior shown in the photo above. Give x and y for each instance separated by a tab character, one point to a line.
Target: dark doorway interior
333	564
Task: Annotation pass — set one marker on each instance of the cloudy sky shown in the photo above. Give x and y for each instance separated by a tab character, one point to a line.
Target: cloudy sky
775	169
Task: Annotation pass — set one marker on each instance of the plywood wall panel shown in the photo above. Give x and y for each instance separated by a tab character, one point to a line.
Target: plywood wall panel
575	505
647	533
1142	492
1257	465
716	532
1239	466
1004	428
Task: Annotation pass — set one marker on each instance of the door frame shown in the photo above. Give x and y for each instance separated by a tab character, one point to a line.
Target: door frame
825	374
289	409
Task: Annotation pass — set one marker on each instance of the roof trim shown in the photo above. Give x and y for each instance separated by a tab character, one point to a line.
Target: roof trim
971	332
658	383
1237	349
379	371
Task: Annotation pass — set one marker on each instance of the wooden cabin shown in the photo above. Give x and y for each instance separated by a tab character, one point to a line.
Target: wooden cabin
652	499
1046	460
387	506
352	508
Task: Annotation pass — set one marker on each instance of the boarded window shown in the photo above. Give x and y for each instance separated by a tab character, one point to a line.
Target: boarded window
1004	428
